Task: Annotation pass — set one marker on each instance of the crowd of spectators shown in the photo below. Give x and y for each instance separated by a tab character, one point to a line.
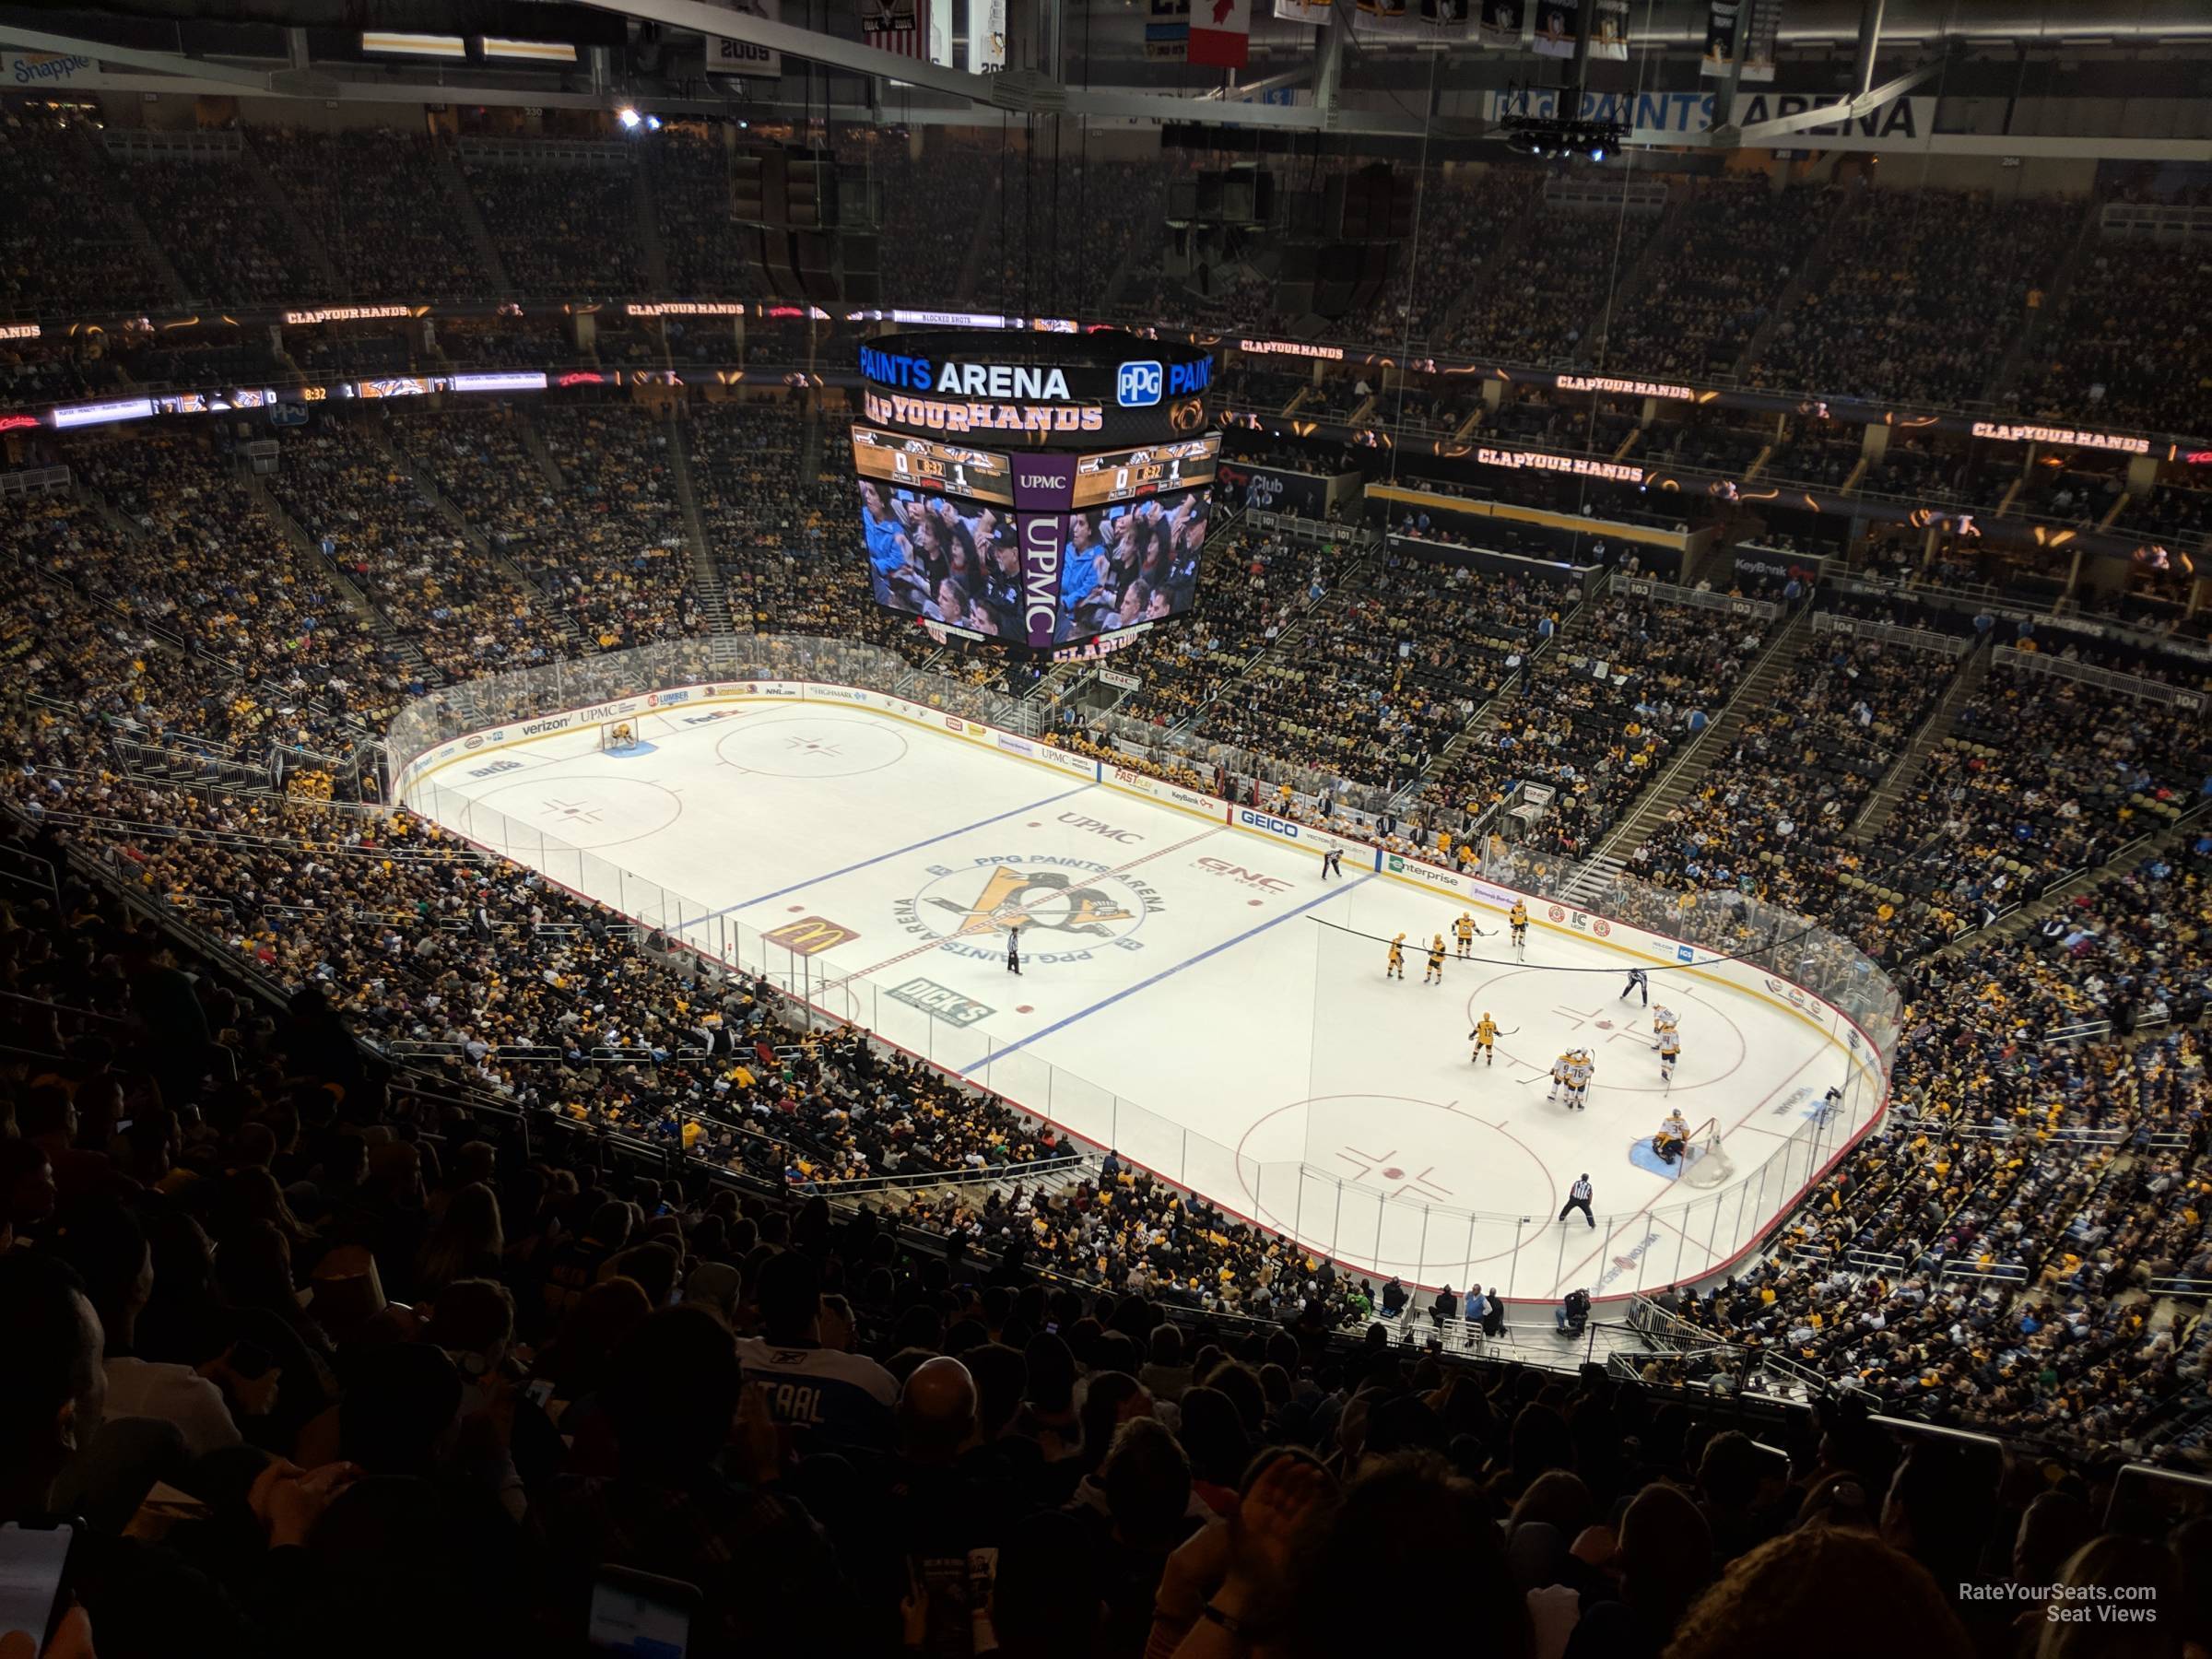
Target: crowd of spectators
378	203
707	247
320	1362
2040	774
350	498
65	244
1597	713
560	229
2130	348
228	240
1773	816
1888	315
1731	251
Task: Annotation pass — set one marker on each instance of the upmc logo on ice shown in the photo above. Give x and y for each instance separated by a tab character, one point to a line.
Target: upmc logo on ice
1138	384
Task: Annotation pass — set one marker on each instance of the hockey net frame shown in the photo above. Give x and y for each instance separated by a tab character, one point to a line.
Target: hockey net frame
1705	1159
616	736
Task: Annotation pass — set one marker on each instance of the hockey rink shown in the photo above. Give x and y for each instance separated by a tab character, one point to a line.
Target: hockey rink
1193	994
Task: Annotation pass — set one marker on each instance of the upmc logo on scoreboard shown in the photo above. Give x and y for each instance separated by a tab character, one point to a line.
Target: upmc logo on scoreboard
1140	385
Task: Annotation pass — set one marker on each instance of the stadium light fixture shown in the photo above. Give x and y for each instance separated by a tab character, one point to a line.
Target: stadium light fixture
629	119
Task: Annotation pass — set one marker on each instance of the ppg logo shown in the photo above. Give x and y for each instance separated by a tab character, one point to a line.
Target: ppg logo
1138	384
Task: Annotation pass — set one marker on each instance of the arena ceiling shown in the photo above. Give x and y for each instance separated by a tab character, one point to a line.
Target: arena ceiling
2123	78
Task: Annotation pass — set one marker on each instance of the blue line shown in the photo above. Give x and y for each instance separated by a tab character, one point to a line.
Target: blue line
1250	933
894	852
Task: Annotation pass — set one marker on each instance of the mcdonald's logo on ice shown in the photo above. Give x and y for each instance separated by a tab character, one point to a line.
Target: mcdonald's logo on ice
810	936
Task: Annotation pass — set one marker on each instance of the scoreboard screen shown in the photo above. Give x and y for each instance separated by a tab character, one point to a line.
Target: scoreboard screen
1125	475
925	464
943	557
1131	562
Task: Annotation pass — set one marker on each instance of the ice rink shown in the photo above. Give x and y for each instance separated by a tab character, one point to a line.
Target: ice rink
1193	995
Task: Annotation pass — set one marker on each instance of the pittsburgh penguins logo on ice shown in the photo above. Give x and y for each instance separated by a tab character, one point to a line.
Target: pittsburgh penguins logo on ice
1065	908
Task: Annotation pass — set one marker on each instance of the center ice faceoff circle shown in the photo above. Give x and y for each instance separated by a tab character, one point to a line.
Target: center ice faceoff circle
1066	907
811	746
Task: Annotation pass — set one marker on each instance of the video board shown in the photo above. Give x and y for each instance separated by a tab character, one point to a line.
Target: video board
1150	469
901	461
944	557
1131	562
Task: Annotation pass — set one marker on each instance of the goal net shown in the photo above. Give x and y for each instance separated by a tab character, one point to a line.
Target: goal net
618	735
1705	1161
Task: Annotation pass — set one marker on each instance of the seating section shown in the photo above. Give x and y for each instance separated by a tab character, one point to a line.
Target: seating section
1888	317
1596	717
2040	775
65	244
1773	817
560	230
228	240
379	204
465	615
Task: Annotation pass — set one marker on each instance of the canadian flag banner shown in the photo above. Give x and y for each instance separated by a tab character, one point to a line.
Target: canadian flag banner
1221	32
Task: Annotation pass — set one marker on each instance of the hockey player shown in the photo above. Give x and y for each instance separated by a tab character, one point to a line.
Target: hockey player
1640	982
1578	1080
1396	969
1485	1038
1435	975
1560	1069
1518	918
1670	1050
1464	931
1662	1021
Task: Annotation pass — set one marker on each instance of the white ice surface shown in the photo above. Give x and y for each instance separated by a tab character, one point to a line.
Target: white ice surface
1192	994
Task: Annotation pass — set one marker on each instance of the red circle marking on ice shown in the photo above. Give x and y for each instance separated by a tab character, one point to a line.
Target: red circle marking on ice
795	909
1024	1008
1393	1174
1251	901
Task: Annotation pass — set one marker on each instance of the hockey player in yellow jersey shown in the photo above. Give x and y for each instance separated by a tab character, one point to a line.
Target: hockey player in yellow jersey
1663	1024
1396	970
1464	931
1518	918
1579	1069
1435	974
1670	1050
1559	1075
1484	1037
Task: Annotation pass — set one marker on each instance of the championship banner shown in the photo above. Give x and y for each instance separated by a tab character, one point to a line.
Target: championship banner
987	36
1609	30
1758	51
1312	13
1407	20
1719	40
937	17
1221	33
1447	18
725	56
899	26
1559	22
1501	22
1167	33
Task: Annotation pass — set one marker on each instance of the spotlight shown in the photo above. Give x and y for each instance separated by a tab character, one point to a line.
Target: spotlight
653	123
1598	154
628	117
